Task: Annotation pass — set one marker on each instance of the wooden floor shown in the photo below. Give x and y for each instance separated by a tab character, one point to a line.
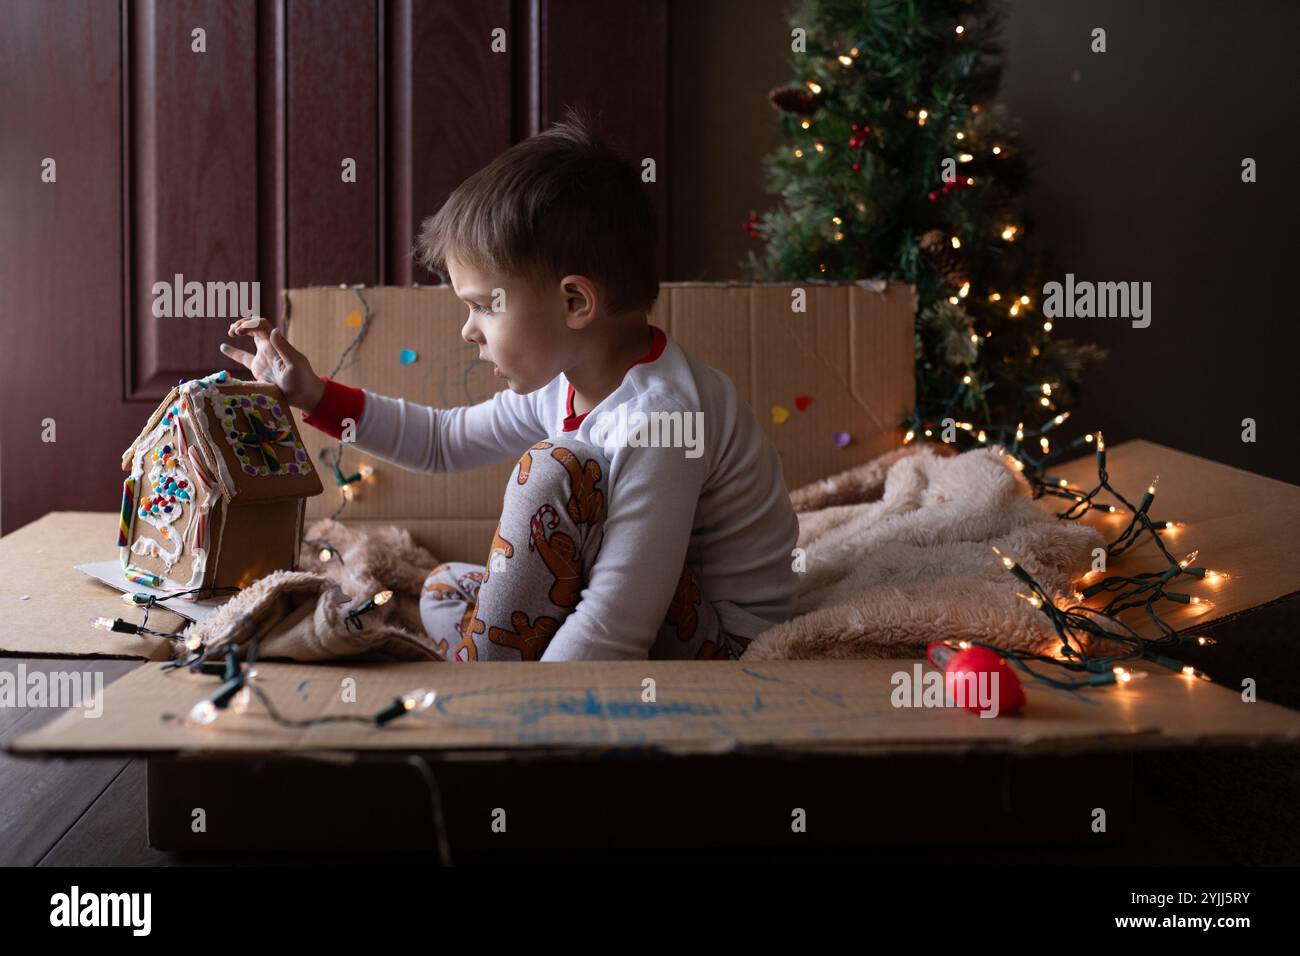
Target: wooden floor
1194	808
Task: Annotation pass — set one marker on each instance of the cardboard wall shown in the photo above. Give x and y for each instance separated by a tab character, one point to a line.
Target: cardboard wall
852	352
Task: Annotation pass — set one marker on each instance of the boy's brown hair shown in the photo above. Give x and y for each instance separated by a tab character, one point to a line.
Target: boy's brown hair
556	204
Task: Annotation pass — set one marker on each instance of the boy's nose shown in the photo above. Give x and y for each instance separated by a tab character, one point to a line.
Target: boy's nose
470	332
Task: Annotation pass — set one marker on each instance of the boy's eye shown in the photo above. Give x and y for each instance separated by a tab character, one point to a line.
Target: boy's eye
478	308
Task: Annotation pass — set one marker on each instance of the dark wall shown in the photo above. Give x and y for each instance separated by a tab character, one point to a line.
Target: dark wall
1137	166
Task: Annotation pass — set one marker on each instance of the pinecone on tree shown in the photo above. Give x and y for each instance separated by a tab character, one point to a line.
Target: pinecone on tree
943	258
791	99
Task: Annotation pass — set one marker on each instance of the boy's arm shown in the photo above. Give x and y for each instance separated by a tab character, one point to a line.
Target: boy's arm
423	438
647	531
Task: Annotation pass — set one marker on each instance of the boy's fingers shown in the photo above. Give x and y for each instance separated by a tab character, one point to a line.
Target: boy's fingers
252	325
239	355
282	347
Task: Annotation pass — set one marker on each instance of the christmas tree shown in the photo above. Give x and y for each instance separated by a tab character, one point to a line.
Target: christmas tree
899	165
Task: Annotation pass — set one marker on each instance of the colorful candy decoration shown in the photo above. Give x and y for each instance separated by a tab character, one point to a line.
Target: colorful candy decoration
136	576
841	439
267	429
780	413
407	356
801	402
124	520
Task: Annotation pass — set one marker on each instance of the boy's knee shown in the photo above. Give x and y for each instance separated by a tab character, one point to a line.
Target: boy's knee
567	463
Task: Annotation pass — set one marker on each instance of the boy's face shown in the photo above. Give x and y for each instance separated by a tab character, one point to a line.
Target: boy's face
526	336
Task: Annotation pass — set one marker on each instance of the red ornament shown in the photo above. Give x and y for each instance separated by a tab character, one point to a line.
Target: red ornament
999	679
854	127
857	167
853	142
934	197
866	131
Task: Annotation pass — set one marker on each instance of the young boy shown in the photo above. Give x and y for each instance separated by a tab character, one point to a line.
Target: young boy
619	539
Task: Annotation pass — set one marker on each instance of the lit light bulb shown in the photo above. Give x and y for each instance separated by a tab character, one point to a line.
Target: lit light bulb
845	60
1206	641
1151	488
964	157
953	300
203	713
909	436
367	472
965	288
995	297
1045	445
798	154
997	150
956	243
193	642
960	30
1020	432
103	623
1009	233
1024	300
326	554
1189	559
1047	326
982	436
419	700
965	380
1007	562
243	700
819	147
963	645
805	124
814	87
383	597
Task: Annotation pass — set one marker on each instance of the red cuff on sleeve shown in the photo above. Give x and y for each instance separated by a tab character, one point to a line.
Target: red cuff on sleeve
338	402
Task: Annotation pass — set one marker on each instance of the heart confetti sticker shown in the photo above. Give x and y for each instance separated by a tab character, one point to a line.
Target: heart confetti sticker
354	319
780	413
802	401
842	439
408	356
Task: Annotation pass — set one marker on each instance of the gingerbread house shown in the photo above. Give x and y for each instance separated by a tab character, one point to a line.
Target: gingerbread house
215	488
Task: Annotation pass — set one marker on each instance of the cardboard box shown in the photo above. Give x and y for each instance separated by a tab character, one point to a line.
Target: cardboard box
1241	523
852	352
566	752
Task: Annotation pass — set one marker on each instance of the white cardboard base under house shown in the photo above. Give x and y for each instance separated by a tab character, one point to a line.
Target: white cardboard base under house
215	489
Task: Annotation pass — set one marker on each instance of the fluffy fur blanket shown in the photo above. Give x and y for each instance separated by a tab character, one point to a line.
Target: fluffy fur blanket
302	615
898	554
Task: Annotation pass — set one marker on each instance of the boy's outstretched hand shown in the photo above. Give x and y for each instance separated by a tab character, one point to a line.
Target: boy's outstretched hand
277	362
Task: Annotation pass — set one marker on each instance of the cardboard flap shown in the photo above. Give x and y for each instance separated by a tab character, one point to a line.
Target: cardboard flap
829	384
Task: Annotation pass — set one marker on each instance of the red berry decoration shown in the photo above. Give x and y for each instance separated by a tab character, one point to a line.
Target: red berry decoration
857	167
854	127
934	197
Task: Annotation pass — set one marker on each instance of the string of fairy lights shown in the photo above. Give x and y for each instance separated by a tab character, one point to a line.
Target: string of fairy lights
1093	639
332	458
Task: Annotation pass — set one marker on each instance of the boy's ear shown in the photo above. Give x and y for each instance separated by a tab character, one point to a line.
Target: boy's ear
581	300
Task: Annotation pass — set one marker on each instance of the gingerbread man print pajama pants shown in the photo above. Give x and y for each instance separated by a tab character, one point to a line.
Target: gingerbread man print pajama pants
552	524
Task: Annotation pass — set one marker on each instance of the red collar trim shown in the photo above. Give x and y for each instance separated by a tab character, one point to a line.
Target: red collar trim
657	342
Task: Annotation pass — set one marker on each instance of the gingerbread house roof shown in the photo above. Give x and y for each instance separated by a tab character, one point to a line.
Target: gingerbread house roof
243	434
